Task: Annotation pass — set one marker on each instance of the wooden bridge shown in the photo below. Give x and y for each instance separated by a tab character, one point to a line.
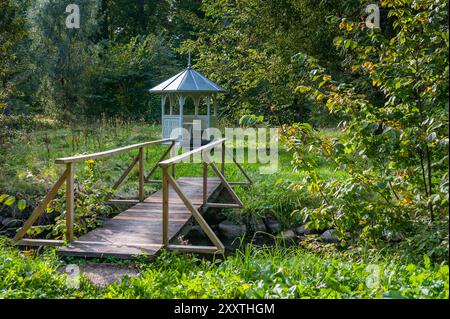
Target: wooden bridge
153	222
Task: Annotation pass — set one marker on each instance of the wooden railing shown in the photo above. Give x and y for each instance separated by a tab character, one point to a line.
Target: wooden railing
68	178
170	180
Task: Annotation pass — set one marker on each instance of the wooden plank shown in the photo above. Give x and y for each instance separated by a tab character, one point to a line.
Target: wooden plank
198	217
222	168
70	202
138	230
141	174
222	205
125	174
160	159
165	206
226	185
194	249
240	183
82	158
183	156
39	210
94	249
240	168
154	181
205	182
123	201
40	242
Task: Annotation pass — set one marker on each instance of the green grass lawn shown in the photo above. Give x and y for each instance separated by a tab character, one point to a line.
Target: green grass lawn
28	171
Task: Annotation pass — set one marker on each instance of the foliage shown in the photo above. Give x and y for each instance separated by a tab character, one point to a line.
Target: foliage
247	46
60	56
91	206
396	120
11	32
381	181
253	272
104	68
8	200
29	275
117	85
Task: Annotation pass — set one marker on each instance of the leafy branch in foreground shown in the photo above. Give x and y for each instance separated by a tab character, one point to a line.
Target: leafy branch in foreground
395	107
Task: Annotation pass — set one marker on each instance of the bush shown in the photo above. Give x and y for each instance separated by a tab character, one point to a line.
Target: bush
91	206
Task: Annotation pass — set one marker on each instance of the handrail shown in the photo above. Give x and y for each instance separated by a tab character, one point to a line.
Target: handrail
179	158
167	180
170	181
81	158
69	176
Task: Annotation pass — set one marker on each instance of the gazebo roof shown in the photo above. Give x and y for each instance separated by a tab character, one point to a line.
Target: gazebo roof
187	81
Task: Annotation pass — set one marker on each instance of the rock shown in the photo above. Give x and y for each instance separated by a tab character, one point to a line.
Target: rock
11	222
288	235
196	232
273	225
231	230
329	236
257	224
302	230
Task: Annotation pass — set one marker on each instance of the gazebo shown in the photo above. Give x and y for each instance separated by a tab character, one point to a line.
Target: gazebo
185	99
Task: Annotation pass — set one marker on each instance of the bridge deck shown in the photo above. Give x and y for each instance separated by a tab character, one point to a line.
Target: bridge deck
138	230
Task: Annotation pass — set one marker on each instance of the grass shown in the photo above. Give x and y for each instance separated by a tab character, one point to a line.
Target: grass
253	272
28	170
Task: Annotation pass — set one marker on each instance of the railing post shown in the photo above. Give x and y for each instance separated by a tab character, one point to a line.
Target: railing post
205	182
165	206
223	159
70	201
141	174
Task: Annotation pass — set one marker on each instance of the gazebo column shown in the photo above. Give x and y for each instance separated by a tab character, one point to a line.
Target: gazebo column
172	102
208	111
181	101
196	104
163	104
215	106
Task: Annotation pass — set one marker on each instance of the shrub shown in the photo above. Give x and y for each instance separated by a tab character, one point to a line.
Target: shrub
90	206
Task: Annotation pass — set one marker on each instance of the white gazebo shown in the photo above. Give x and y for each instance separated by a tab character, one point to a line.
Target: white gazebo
185	99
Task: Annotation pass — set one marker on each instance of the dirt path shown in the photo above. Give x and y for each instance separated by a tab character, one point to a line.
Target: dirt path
102	274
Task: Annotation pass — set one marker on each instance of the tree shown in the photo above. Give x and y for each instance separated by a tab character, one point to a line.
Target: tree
117	84
247	46
11	32
395	105
60	56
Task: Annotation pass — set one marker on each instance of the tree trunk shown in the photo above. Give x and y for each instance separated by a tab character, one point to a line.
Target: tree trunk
142	23
104	19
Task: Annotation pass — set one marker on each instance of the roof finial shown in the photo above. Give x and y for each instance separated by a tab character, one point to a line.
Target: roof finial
189	60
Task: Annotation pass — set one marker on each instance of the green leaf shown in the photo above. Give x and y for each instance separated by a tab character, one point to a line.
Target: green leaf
10	201
21	204
3	197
